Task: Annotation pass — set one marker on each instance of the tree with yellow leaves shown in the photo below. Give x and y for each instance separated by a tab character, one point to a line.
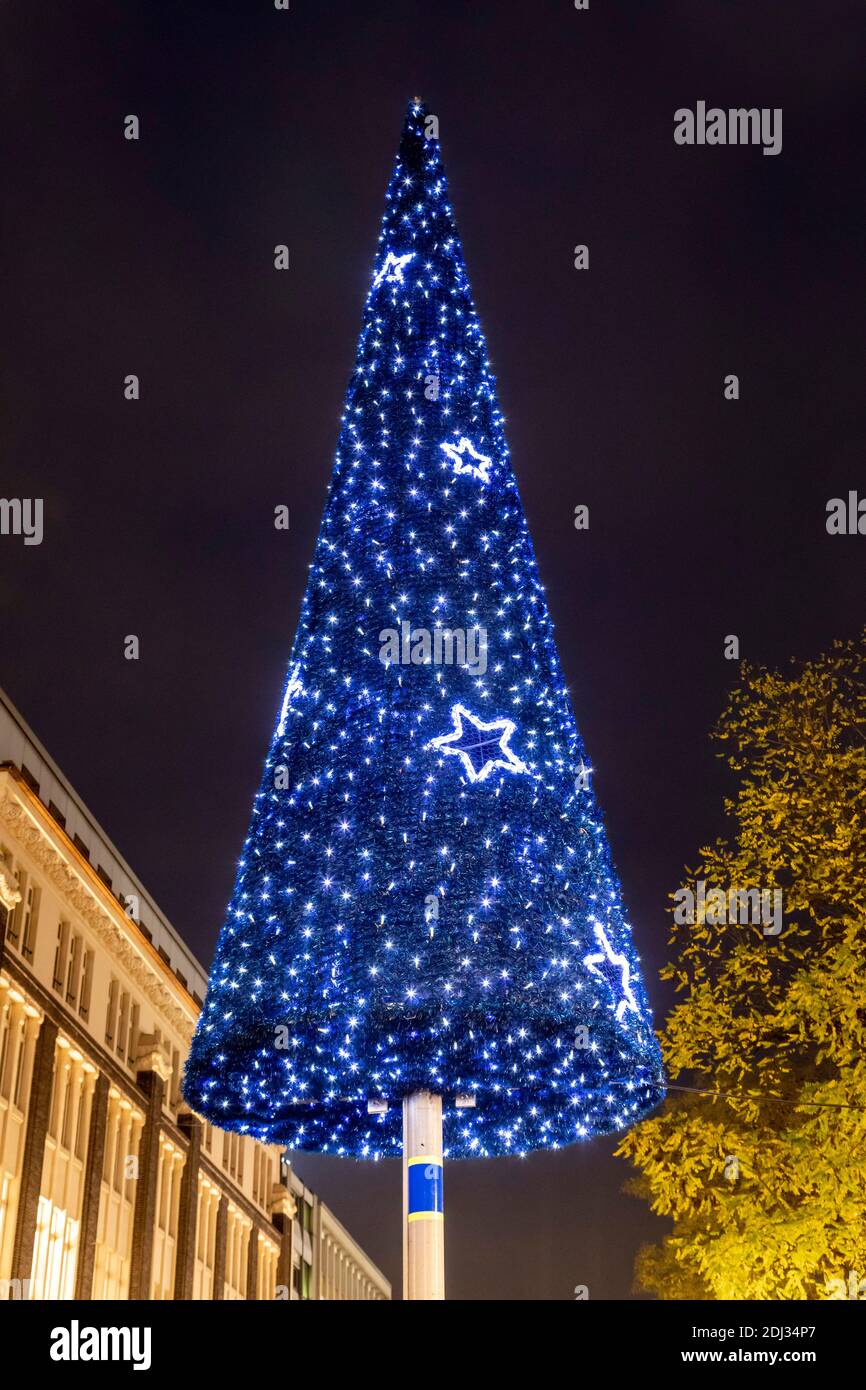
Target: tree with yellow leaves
762	1163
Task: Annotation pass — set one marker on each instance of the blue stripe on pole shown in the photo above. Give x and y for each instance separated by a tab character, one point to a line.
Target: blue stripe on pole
425	1186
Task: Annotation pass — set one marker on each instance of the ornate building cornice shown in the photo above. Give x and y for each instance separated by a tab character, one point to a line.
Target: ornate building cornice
107	924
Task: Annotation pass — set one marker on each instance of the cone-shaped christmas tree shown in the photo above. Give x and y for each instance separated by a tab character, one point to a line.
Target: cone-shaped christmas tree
426	900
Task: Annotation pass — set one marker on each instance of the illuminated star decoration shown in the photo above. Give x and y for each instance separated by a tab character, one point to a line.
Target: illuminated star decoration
392	270
481	749
293	688
614	969
455	453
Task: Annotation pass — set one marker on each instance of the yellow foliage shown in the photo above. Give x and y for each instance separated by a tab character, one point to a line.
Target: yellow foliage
768	1193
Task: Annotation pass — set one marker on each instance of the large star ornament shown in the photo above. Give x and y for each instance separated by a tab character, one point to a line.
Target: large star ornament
465	449
613	968
481	747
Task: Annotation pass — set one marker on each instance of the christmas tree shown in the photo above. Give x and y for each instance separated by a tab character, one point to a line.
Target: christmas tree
426	900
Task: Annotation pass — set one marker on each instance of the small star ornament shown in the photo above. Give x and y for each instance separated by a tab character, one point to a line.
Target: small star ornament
465	450
612	967
481	747
392	270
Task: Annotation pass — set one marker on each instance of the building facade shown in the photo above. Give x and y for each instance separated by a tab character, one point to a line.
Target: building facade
110	1187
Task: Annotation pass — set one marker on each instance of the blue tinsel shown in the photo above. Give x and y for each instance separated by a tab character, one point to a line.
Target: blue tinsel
424	902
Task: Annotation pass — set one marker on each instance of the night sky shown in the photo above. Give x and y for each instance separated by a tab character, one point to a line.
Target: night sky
707	516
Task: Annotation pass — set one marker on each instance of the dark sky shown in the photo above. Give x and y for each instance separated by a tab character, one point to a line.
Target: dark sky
707	516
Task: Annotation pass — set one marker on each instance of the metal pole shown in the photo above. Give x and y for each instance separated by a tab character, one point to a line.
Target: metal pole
423	1213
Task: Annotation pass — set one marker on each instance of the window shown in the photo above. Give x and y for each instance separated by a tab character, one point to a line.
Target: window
111	1013
19	1069
74	958
54	1252
175	1078
67	1098
12	1036
80	1122
86	985
238	1231
23	919
267	1260
165	1228
31	917
14	933
208	1209
123	1025
73	977
132	1040
119	1170
121	1022
61	955
69	1116
114	1231
261	1176
233	1156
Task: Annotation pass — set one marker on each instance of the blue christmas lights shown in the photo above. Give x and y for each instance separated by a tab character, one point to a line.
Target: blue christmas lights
426	898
